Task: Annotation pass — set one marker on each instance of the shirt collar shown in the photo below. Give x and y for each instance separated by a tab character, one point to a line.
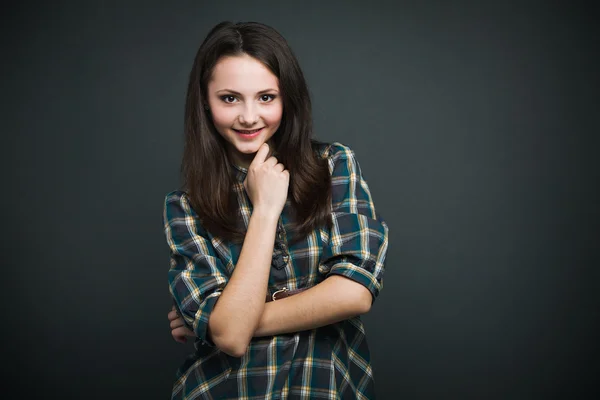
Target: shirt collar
239	172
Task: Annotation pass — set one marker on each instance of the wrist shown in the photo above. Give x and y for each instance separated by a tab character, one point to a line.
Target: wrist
265	215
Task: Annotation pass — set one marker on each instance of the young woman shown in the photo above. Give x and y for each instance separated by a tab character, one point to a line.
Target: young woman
276	248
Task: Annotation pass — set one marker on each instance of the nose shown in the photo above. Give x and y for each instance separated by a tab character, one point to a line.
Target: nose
249	115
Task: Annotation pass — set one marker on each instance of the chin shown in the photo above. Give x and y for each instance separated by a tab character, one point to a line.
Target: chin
248	148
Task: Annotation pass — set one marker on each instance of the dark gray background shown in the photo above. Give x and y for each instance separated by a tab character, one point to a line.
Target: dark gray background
477	130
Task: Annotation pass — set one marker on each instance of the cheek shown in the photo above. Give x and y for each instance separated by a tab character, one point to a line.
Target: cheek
273	115
222	117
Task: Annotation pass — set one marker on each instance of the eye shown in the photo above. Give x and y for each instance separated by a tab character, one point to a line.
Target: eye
267	97
228	98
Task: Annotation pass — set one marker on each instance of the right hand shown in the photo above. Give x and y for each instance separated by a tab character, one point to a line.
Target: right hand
178	329
267	183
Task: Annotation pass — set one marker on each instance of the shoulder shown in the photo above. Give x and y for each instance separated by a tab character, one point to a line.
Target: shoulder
177	204
176	197
180	217
334	152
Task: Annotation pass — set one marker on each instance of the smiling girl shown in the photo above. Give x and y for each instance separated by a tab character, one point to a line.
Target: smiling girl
276	248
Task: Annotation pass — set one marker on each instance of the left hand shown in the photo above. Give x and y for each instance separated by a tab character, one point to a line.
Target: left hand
178	329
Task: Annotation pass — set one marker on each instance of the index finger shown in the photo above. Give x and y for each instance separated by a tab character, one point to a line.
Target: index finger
261	154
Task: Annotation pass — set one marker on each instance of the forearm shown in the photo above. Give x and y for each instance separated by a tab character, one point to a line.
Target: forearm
240	306
335	299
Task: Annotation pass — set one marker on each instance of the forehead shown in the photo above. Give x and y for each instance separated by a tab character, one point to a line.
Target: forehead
243	74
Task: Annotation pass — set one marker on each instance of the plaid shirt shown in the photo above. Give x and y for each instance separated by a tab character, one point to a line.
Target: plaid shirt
331	362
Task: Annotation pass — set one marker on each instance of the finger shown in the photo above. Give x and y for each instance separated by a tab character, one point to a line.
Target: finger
179	338
279	167
261	154
172	315
182	331
271	161
176	323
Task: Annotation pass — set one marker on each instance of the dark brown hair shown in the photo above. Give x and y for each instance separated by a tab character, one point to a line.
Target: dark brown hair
207	173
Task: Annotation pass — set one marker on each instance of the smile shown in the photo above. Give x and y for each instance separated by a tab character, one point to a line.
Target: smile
248	133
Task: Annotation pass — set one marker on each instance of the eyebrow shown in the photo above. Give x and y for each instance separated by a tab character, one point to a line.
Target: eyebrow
239	94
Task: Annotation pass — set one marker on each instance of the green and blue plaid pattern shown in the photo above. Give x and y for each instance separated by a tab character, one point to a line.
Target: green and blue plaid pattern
331	362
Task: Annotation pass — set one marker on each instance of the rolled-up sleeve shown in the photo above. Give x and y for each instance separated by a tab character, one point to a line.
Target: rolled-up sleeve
196	275
356	244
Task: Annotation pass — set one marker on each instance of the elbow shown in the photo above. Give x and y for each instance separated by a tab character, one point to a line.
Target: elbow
236	352
355	297
231	346
364	301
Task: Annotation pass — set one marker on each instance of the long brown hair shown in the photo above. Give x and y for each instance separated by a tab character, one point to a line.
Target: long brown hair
207	173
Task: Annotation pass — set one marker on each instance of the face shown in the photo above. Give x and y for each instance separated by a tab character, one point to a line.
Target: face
245	105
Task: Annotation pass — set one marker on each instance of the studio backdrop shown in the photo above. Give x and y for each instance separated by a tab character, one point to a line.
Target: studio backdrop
475	124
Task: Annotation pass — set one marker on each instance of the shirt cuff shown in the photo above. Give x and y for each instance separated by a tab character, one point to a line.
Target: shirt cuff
357	274
202	316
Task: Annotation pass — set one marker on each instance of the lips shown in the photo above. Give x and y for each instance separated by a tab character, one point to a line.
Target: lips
247	132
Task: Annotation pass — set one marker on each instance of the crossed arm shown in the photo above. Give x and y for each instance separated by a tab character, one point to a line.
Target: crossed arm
240	312
335	299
